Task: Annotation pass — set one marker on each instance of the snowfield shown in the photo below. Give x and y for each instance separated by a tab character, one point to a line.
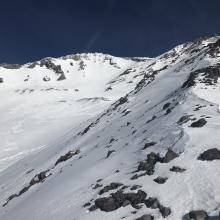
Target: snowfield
92	136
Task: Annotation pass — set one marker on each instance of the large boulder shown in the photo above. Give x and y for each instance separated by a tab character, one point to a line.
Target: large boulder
154	203
198	215
67	156
200	123
170	155
210	154
106	204
120	199
149	164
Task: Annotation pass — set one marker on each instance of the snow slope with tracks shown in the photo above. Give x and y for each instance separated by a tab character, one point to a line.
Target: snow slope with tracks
114	113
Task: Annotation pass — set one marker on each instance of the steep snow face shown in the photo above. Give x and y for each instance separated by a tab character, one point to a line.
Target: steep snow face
113	138
43	100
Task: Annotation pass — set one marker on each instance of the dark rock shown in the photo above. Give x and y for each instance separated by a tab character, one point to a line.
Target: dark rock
145	166
145	217
136	198
133	132
29	171
198	215
120	199
108	88
166	105
125	203
135	187
87	128
200	123
149	164
160	180
153	203
106	204
10	66
210	76
109	153
97	185
46	78
111	186
190	81
150	120
177	169
122	100
50	65
210	154
125	72
82	65
10	198
137	176
93	208
1	80
183	119
111	140
165	211
25	189
124	187
170	155
212	73
168	111
32	65
149	145
197	108
61	77
140	84
37	178
86	204
67	156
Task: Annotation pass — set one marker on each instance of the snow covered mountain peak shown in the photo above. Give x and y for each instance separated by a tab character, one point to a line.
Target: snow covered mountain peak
92	136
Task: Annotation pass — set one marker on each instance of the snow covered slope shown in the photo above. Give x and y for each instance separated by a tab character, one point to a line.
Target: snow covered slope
92	136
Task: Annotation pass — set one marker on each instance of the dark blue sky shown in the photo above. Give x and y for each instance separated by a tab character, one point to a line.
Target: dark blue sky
33	29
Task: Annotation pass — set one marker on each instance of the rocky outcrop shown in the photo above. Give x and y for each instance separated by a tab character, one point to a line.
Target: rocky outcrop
120	199
154	204
199	123
177	169
149	144
10	66
50	65
198	215
61	77
152	158
111	186
160	180
67	156
40	177
149	164
170	155
210	154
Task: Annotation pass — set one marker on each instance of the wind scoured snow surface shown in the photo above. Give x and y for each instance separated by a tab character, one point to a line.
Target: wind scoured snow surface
71	126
